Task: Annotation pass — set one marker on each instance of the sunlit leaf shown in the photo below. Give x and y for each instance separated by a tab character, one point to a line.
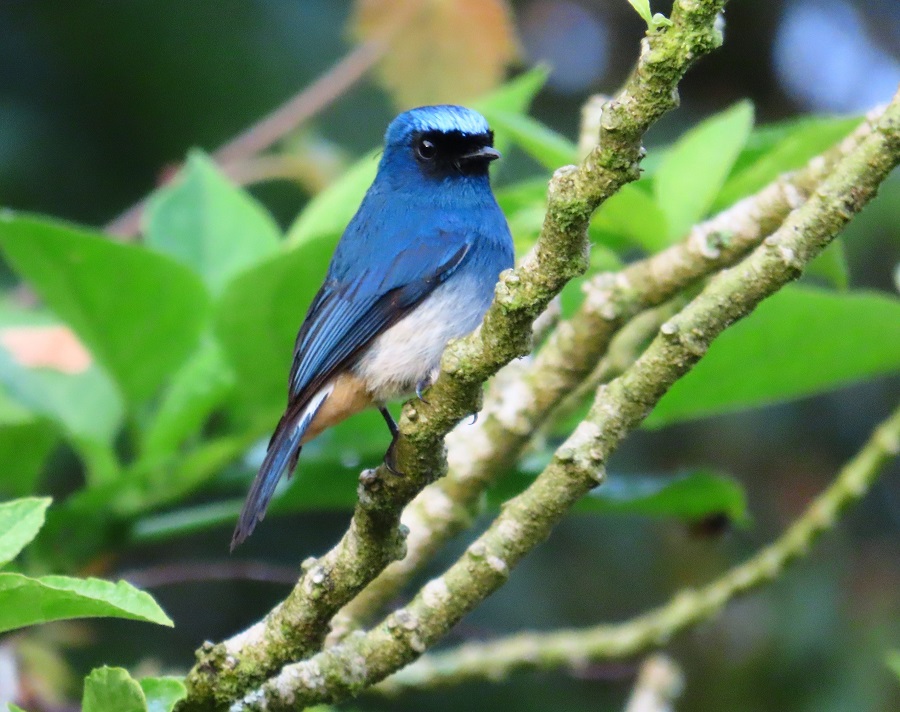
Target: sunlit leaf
20	521
779	148
208	224
630	218
162	692
798	342
138	312
109	689
696	166
439	52
26	601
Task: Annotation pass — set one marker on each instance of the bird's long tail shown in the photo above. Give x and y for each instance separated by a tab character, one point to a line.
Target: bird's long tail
281	456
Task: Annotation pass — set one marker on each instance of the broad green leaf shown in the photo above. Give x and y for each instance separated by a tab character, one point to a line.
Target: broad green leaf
20	521
831	266
695	168
543	144
257	319
138	312
14	708
197	388
800	341
328	213
203	221
774	150
109	689
26	601
86	405
25	443
162	692
630	218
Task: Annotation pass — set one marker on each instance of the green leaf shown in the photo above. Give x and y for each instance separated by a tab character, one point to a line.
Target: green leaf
653	21
687	496
85	405
197	388
138	312
517	94
798	342
202	220
329	212
779	148
25	440
109	689
162	692
695	168
630	218
26	601
831	266
257	320
543	144
893	662
20	521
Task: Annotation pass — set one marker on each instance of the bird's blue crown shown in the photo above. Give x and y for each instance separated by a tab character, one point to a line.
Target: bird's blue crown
444	118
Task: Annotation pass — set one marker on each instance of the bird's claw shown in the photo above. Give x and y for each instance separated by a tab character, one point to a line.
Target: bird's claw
421	387
474	418
390	459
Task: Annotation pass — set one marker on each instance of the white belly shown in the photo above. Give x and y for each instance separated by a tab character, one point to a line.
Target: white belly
410	351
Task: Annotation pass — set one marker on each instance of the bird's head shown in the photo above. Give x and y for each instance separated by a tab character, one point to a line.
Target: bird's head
440	142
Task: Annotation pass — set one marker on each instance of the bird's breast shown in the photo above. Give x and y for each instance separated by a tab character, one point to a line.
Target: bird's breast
410	351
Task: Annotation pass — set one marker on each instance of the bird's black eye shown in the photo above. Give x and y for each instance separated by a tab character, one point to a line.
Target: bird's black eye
426	150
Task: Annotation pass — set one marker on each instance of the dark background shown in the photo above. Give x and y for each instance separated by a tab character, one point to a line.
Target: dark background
99	99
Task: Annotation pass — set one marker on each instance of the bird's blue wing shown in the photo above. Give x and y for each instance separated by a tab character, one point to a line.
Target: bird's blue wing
347	315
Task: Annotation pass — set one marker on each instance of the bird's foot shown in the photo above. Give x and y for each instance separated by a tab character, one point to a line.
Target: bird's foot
423	386
390	459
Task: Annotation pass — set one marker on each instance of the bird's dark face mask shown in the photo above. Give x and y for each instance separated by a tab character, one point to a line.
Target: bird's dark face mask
446	154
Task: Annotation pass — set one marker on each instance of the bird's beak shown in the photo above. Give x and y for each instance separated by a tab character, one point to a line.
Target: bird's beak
485	153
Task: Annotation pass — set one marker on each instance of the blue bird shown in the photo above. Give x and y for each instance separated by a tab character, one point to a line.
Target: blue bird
416	267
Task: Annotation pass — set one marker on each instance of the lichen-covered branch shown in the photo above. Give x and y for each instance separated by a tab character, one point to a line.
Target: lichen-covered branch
363	659
526	392
573	649
297	627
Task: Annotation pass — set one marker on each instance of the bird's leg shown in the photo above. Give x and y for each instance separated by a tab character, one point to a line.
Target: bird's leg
390	457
